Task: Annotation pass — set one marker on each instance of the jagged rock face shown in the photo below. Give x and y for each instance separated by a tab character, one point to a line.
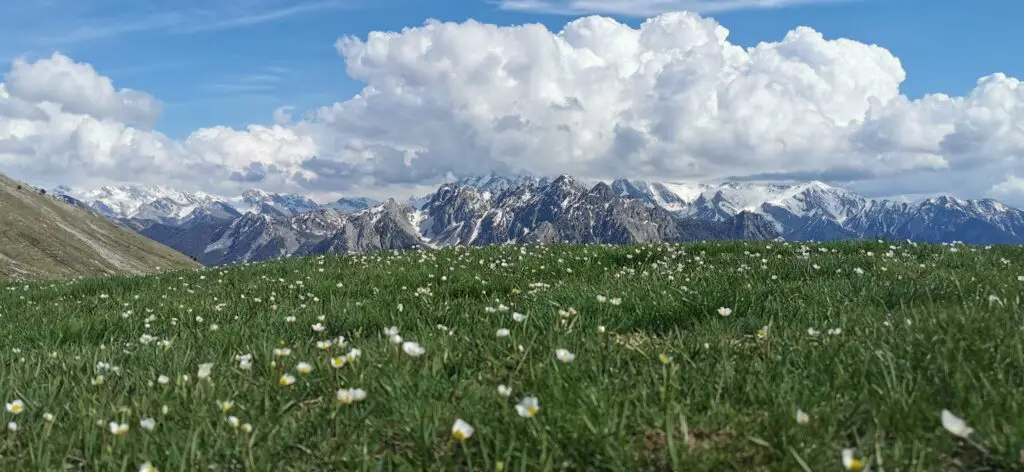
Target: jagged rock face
749	226
524	208
545	233
453	214
251	237
384	227
565	211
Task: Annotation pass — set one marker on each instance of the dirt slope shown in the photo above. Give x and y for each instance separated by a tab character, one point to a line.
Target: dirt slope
42	237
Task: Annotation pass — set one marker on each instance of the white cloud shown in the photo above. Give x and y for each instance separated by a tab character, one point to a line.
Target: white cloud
672	99
78	88
61	122
647	7
262	146
1010	189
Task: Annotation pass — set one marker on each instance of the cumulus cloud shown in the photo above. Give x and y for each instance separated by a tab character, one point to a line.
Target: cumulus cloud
61	122
77	88
671	99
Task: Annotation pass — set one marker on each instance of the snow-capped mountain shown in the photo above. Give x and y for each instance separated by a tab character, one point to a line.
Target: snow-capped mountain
135	203
531	211
131	201
275	204
352	204
497	210
492	185
565	210
729	198
818	211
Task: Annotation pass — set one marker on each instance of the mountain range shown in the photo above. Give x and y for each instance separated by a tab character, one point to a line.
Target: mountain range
493	209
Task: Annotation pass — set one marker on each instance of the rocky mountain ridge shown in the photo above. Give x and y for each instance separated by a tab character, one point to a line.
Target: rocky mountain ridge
492	209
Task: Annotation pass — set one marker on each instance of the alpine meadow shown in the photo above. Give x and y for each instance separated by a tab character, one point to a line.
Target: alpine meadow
511	236
750	356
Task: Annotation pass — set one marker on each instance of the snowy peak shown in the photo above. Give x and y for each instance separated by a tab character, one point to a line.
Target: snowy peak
161	204
137	201
816	199
352	204
492	185
815	210
259	201
729	198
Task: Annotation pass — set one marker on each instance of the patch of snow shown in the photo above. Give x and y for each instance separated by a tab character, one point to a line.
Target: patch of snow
422	223
476	231
224	243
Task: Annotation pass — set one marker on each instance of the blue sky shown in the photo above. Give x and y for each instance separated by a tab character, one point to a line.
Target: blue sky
232	62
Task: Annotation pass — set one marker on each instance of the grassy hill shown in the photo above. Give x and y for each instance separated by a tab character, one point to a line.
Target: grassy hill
871	341
45	238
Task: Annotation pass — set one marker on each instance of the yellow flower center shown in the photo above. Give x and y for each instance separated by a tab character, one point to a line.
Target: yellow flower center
532	410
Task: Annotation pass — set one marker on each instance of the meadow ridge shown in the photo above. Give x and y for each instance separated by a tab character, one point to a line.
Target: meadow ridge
759	356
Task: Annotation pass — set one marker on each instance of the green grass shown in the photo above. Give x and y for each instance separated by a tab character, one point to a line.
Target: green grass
919	334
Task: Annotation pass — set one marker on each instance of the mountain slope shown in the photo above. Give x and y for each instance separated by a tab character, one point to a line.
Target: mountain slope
46	237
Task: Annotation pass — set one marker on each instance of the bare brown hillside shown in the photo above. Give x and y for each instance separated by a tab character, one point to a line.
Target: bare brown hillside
42	237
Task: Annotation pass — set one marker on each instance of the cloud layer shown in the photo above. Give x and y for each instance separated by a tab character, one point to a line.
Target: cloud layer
672	100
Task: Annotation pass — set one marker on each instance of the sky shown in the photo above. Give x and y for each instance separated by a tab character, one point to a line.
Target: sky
378	97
